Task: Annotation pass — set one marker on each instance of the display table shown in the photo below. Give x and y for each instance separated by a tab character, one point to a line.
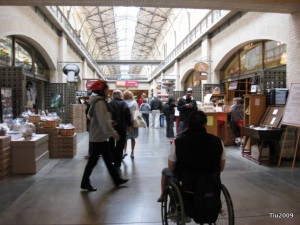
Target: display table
261	138
30	156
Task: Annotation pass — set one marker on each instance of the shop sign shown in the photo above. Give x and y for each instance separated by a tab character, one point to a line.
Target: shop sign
127	83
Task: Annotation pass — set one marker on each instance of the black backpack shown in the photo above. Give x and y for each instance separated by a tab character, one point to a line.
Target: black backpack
166	110
204	204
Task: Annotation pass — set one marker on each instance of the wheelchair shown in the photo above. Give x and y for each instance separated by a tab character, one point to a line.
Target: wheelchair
173	207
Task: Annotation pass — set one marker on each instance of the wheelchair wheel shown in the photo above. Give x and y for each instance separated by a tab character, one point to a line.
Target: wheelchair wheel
172	208
226	215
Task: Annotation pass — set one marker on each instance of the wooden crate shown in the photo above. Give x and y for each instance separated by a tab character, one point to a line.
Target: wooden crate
67	147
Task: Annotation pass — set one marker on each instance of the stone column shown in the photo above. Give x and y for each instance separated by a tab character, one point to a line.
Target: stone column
293	49
62	56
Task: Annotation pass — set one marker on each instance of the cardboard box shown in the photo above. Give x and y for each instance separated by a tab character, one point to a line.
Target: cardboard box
255	152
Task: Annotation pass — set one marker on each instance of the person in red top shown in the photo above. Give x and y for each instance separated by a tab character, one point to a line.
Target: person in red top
141	99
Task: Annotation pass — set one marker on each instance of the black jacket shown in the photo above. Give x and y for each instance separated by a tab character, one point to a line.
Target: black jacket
156	104
120	113
183	111
197	151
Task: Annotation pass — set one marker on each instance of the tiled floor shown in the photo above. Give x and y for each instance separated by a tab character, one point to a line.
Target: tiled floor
53	196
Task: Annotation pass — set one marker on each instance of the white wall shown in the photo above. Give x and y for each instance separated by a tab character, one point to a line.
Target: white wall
22	21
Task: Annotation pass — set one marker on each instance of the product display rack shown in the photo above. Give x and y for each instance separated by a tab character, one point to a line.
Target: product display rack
254	108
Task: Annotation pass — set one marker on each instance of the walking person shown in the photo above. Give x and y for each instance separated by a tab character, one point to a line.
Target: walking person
133	132
141	99
156	107
186	105
100	130
121	117
145	109
169	112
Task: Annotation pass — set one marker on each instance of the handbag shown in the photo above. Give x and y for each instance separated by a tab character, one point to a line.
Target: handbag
138	120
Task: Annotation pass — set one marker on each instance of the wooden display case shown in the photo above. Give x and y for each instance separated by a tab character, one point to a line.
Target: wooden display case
263	141
30	156
254	108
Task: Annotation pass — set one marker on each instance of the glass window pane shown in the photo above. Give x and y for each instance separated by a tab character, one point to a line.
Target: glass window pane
251	58
5	51
275	54
23	56
232	69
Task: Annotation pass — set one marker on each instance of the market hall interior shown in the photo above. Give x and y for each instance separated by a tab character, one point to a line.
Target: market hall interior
260	193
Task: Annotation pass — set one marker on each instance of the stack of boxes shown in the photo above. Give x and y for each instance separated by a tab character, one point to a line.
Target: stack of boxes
5	156
67	146
76	116
59	146
53	139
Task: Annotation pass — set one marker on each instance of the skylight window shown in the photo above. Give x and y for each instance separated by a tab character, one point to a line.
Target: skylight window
125	22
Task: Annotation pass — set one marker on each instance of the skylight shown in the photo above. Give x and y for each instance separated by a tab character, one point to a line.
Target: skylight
125	22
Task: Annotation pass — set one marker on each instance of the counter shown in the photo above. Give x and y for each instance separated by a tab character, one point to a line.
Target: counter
218	124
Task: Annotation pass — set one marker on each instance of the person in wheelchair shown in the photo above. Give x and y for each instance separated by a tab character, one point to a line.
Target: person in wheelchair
194	151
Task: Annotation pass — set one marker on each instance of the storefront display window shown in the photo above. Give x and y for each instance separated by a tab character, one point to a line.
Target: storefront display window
39	68
5	51
251	58
233	68
275	54
25	55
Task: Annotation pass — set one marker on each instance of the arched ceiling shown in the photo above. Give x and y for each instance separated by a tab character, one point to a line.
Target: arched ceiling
280	6
123	33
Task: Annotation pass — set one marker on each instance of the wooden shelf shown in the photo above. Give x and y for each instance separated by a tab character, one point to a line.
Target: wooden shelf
254	108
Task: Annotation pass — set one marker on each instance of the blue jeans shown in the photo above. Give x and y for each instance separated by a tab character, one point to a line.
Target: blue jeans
162	120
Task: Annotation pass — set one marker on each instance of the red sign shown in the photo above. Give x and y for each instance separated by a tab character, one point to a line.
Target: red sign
127	83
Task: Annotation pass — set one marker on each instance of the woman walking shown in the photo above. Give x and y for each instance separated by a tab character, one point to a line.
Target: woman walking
133	132
100	131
